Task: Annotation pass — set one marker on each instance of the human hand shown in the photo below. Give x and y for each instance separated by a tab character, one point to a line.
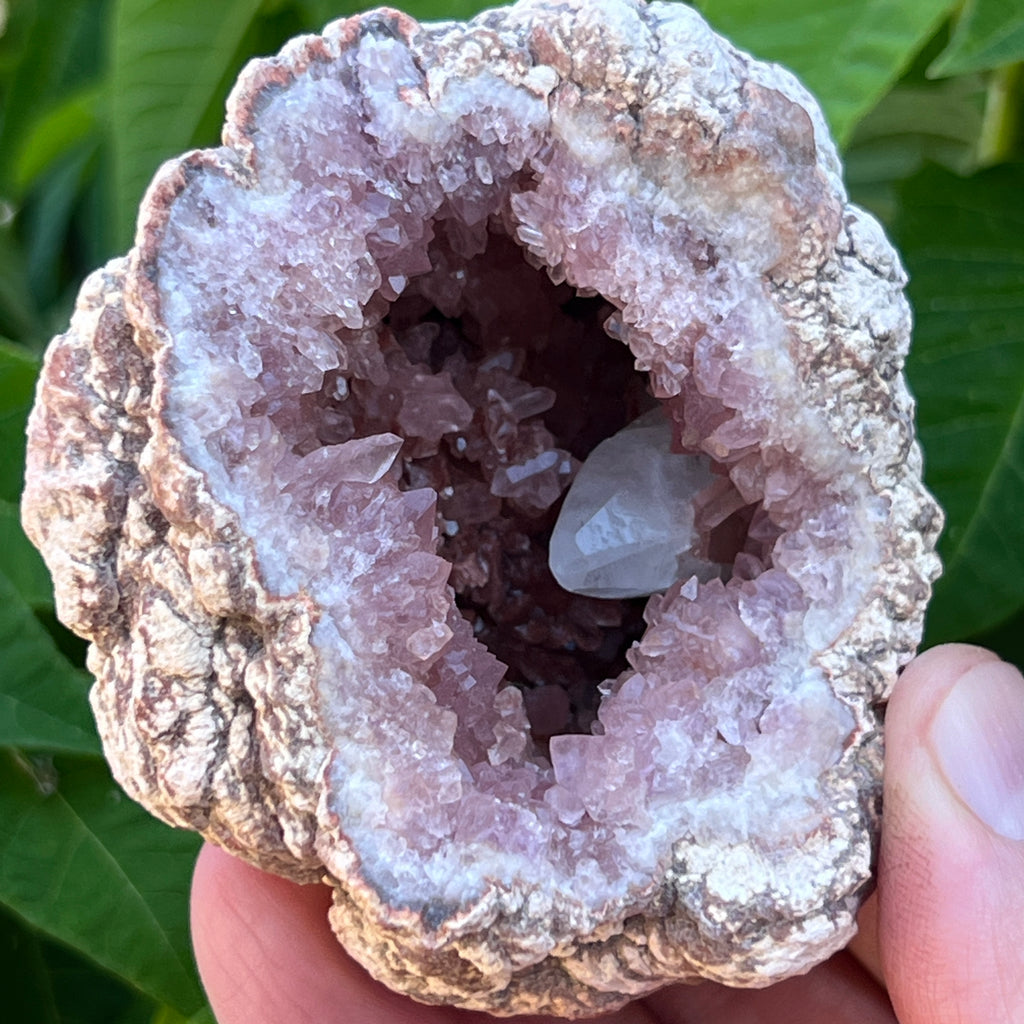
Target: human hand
946	930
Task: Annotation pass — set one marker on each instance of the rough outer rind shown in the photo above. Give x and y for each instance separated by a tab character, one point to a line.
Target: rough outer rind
181	671
207	682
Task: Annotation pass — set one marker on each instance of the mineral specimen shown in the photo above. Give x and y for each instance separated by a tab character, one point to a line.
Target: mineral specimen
626	528
296	464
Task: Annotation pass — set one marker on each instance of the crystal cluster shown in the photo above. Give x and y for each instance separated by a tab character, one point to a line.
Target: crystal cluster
626	528
300	462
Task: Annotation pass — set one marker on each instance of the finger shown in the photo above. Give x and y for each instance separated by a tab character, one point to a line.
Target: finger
865	943
267	955
839	991
951	878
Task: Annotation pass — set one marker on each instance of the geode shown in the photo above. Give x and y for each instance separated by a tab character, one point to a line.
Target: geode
296	465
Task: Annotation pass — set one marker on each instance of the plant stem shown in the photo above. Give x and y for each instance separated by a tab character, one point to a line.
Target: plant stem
1000	129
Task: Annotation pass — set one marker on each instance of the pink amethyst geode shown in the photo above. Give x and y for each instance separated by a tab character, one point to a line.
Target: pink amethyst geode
297	462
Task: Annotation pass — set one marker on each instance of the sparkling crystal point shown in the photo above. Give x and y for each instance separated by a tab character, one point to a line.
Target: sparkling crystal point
626	526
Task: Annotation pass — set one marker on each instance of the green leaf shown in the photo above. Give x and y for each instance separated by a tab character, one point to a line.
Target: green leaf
43	697
83	863
47	216
44	983
165	1015
169	56
317	13
18	316
21	563
1007	640
18	371
963	242
92	229
916	123
27	986
55	47
56	133
847	52
988	34
438	10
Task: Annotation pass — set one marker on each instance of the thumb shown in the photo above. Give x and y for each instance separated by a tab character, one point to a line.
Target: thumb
951	876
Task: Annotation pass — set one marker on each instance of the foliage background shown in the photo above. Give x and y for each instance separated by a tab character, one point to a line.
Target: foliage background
925	97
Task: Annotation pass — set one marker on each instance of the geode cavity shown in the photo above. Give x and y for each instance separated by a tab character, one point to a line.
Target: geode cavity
296	463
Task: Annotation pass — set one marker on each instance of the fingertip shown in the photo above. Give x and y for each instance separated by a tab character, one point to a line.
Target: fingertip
951	878
925	681
267	955
264	950
864	945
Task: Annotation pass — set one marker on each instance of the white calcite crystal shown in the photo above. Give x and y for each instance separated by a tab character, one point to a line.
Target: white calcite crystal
627	526
296	463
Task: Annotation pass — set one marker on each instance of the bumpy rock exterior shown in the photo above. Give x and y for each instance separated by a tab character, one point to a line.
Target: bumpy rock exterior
292	462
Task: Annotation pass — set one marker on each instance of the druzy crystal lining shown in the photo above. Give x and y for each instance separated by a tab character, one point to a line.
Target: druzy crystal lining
427	753
431	269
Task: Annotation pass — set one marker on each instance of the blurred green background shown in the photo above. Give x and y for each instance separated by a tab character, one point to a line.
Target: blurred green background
925	98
